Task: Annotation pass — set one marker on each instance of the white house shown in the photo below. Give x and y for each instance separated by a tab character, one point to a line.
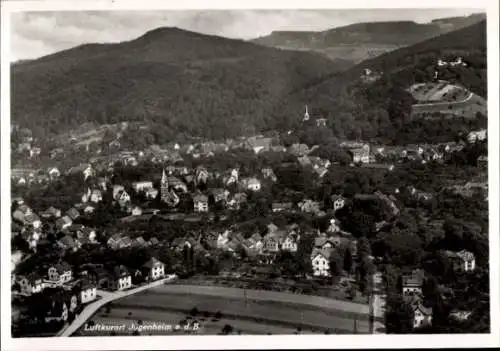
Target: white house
338	202
54	173
88	172
88	293
142	186
289	244
253	184
320	263
463	260
477	135
421	315
60	273
151	193
154	269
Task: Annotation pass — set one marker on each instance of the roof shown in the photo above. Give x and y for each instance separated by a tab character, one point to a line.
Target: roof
326	253
426	311
73	213
68	241
154	241
62	267
255	142
200	197
151	263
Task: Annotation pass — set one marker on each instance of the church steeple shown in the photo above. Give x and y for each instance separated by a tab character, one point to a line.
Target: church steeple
164	186
306	114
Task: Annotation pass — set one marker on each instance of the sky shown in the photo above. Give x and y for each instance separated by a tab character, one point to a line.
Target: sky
35	34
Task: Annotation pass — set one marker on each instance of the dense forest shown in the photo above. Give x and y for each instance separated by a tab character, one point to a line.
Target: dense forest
188	84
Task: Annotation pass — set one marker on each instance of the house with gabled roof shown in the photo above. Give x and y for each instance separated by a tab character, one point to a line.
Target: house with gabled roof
463	260
63	222
422	316
413	282
31	284
60	273
200	202
51	212
73	213
268	173
153	269
68	243
281	206
320	261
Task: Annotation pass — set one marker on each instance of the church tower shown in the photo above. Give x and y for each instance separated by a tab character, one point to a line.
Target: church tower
164	187
306	115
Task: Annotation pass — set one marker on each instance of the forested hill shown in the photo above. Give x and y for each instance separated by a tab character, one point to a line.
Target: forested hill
379	109
187	82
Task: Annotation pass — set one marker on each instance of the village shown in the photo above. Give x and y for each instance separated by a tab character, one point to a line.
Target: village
133	217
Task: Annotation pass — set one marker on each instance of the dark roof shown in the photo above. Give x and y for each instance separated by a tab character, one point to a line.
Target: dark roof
151	263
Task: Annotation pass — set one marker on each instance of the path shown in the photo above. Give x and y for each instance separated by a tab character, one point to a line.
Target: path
107	297
445	103
377	304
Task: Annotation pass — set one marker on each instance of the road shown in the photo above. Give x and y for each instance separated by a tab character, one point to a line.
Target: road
107	297
445	103
377	304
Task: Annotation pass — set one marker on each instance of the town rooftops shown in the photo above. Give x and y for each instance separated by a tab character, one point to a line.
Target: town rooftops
415	279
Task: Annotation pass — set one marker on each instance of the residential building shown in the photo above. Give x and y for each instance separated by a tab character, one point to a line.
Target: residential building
88	291
51	212
361	155
477	135
338	202
63	222
153	269
236	201
201	175
123	198
31	284
60	273
258	144
136	211
151	193
88	172
142	186
220	194
73	213
320	261
422	316
121	278
68	243
463	260
54	173
412	283
310	206
268	173
289	243
252	184
200	203
272	243
281	206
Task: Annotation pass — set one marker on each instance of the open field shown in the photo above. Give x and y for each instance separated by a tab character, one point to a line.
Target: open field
466	108
261	312
438	92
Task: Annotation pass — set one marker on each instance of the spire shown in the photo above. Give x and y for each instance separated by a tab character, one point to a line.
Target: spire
163	177
306	115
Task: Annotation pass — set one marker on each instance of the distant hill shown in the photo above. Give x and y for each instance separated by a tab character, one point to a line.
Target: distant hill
180	81
361	41
378	109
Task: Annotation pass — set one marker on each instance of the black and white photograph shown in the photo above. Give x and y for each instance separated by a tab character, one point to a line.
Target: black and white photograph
191	172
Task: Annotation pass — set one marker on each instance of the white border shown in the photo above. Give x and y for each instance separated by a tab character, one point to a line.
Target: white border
248	342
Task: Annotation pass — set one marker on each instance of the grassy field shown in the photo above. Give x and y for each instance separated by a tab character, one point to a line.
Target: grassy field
255	315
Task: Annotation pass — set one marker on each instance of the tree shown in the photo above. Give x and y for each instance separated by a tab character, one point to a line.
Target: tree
348	260
398	315
335	262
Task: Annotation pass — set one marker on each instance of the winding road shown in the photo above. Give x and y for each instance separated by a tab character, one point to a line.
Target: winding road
445	103
107	297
